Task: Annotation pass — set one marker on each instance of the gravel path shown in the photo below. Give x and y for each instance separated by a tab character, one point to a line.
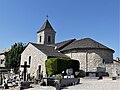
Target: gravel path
94	84
85	84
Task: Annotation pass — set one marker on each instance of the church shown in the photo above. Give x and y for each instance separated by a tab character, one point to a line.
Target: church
90	53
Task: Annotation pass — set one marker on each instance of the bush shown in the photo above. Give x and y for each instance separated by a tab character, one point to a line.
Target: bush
57	65
58	76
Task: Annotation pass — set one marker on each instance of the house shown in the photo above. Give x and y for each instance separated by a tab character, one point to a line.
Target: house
90	53
2	57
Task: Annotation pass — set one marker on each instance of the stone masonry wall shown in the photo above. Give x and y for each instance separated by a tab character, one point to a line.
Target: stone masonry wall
37	58
90	59
42	37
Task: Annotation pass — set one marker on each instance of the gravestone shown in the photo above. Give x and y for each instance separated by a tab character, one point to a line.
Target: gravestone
69	71
38	77
1	79
101	69
25	84
25	66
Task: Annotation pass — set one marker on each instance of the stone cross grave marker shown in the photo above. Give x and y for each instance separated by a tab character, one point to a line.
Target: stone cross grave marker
25	66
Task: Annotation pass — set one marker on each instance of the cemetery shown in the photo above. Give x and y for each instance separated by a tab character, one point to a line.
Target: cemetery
59	80
59	75
59	65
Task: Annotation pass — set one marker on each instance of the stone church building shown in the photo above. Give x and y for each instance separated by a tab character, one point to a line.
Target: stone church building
90	53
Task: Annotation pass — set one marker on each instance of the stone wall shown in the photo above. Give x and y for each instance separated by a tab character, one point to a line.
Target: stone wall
37	58
44	37
50	33
91	58
117	64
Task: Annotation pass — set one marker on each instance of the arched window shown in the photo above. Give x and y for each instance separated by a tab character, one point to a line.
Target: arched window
49	39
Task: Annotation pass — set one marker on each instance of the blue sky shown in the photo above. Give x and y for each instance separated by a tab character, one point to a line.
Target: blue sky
96	19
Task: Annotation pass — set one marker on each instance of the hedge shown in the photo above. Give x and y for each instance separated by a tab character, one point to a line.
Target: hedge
57	65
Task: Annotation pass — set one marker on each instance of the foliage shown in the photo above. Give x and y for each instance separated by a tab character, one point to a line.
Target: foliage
13	56
58	76
57	65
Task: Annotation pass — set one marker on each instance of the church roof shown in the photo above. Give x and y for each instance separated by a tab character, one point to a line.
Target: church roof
86	43
45	26
63	44
49	50
118	61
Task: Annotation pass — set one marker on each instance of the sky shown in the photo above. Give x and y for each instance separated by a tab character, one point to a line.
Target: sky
97	19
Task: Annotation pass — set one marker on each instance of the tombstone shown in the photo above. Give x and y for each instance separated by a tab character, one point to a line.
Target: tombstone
25	66
28	77
57	85
5	83
69	72
100	76
101	69
1	79
113	78
25	84
92	74
6	86
39	73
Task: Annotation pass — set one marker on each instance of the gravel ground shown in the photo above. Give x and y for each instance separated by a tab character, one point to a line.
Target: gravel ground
85	84
94	84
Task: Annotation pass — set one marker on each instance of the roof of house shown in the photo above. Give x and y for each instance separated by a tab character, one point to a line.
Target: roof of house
45	26
63	44
49	50
118	61
86	43
5	50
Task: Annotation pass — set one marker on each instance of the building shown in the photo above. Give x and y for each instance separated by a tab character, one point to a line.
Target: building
90	53
2	57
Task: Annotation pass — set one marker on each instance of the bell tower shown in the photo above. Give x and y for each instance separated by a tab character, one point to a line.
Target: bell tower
46	34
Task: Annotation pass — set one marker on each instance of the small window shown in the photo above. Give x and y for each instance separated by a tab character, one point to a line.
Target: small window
49	39
40	38
29	60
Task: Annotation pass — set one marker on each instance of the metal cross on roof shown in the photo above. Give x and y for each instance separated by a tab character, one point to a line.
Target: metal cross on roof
47	16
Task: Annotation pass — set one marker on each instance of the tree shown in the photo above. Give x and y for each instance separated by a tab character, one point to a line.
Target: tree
13	56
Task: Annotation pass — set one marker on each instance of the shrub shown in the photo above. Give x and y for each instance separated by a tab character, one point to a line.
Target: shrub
57	65
58	76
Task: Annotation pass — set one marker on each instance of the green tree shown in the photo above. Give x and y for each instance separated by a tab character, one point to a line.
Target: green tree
13	56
